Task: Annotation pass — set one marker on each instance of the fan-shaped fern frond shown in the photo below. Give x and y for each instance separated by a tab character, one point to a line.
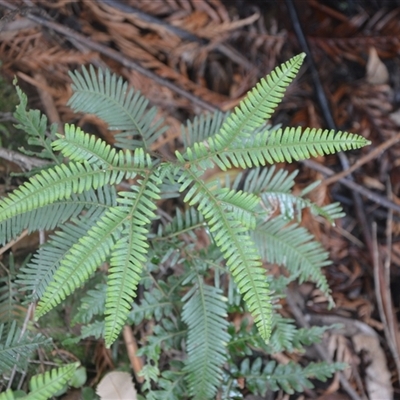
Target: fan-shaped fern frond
129	253
79	146
293	247
238	249
83	258
108	97
205	313
16	348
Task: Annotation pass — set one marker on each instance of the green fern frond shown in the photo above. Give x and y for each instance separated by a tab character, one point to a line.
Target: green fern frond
38	274
44	386
95	330
17	348
238	249
205	314
108	97
52	215
251	113
259	103
290	378
183	222
271	147
129	254
80	146
93	303
202	127
155	304
260	180
172	385
55	184
83	258
293	247
290	144
34	123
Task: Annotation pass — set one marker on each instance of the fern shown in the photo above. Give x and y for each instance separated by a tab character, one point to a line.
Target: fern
44	386
16	347
290	378
99	222
205	315
108	97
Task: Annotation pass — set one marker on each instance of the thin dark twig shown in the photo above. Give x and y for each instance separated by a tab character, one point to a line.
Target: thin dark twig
326	111
378	199
115	55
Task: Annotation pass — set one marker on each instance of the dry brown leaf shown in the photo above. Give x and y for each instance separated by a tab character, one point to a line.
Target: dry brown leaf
377	73
378	376
116	385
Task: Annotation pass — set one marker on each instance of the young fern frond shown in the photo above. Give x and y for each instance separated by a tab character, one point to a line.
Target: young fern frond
34	123
129	253
204	312
108	97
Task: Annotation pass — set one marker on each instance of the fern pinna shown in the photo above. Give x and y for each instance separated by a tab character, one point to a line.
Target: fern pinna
96	222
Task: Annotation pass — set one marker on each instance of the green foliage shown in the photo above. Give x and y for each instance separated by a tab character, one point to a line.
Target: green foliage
98	222
290	378
44	386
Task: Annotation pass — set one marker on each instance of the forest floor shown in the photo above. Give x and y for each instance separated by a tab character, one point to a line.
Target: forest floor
190	56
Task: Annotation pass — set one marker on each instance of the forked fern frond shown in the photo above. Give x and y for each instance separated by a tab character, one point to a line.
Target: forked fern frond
108	97
204	312
129	253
